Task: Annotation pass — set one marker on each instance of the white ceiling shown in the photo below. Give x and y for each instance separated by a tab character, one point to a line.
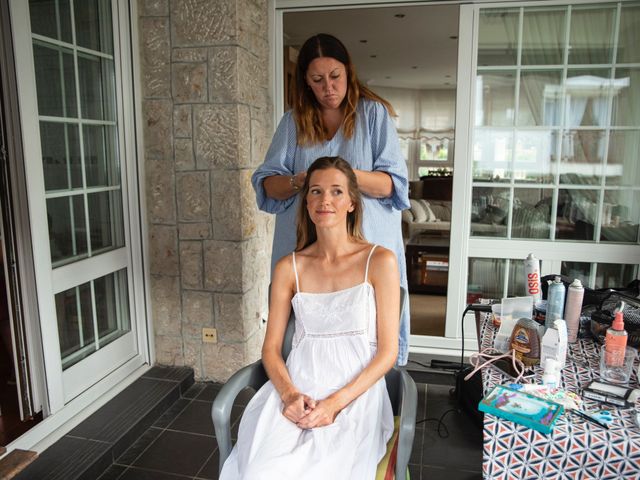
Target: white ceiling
415	51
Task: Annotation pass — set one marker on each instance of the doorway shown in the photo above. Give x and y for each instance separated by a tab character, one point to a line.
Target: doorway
408	55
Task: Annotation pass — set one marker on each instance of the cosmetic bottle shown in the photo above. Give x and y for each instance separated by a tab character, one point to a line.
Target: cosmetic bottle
615	342
554	344
532	272
573	308
555	302
551	375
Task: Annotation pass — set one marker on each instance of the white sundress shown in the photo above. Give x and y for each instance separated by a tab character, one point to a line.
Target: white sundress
334	340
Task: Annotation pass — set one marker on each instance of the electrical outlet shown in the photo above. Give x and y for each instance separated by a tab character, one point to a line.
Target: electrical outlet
209	335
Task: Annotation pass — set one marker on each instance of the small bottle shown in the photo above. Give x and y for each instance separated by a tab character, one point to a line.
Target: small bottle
555	301
573	308
615	342
532	282
550	377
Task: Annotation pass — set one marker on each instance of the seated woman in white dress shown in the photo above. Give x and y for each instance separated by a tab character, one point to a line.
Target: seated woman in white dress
325	414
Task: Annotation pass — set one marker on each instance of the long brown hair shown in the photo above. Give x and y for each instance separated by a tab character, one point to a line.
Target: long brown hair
306	230
306	109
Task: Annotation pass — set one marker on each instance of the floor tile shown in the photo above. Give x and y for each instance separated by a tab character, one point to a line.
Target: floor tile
194	390
209	392
210	469
140	445
134	473
177	452
195	418
244	396
172	412
113	472
448	473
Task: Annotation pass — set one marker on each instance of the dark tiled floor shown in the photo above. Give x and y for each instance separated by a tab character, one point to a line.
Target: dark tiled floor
181	443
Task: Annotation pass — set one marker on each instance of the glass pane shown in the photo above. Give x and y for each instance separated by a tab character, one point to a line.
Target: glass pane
516	286
543	36
620	216
60	156
623	161
498	37
434	149
51	18
498	93
591	35
75	324
531	213
588	94
626	97
540	100
489	211
486	277
55	81
93	25
579	270
629	37
492	152
105	221
582	157
112	307
535	150
577	214
97	92
67	231
611	275
101	161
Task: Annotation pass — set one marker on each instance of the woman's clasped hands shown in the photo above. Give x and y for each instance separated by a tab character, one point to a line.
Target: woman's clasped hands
307	413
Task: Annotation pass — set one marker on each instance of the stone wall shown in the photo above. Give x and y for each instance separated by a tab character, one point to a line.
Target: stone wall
207	125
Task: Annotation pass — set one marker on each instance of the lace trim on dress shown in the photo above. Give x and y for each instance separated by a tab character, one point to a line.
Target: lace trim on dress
337	334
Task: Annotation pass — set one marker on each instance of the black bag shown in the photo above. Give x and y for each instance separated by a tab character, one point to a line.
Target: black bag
603	314
469	393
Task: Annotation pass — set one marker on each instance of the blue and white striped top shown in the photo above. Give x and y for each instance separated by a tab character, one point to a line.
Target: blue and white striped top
373	147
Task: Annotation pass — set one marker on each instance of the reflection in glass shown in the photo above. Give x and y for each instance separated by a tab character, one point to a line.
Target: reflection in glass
629	36
93	25
486	277
55	81
620	216
97	91
498	37
102	164
105	221
623	162
51	18
582	157
579	270
492	152
531	213
540	102
611	275
516	286
498	93
588	96
112	306
67	230
490	211
60	156
626	103
75	323
591	35
535	150
577	214
543	36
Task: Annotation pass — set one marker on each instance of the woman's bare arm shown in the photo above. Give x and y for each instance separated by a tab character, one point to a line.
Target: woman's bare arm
280	186
374	184
385	279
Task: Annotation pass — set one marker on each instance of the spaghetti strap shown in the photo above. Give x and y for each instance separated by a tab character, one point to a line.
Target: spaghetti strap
366	270
295	272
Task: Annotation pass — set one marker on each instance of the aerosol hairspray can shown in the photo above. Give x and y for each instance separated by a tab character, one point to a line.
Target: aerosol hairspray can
555	301
532	272
575	294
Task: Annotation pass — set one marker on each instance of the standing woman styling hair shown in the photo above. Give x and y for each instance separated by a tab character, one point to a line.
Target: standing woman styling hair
336	115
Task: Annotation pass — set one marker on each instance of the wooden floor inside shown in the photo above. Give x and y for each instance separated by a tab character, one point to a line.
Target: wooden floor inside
428	314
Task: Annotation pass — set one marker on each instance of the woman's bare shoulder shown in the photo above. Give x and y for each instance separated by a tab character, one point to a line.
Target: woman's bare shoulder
383	262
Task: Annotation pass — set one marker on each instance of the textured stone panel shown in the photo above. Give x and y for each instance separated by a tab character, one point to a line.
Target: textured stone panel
253	346
220	360
227	205
156	81
223	74
255	270
189	82
223	266
193	356
252	26
157	117
261	133
203	22
169	350
156	57
182	125
253	80
194	231
248	207
160	183
163	249
222	136
197	313
165	305
194	196
192	55
185	159
191	264
238	316
150	8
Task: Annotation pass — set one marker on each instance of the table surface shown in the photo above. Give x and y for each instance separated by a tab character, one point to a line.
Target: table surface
576	449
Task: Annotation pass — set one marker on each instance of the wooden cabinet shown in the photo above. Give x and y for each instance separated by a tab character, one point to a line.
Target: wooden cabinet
428	264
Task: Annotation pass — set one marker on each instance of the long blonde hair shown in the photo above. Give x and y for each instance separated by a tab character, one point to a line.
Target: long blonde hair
306	229
306	109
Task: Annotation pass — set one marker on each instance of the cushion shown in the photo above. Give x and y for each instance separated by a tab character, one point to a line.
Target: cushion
418	211
442	210
407	216
387	466
430	215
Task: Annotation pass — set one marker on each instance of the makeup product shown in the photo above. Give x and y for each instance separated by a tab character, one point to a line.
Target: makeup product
615	342
554	344
526	341
590	418
555	301
532	272
606	393
572	309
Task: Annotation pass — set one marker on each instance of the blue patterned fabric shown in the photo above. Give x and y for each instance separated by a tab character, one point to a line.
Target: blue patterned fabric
373	147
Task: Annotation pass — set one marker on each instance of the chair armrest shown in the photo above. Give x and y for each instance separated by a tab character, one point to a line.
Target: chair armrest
407	430
253	376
